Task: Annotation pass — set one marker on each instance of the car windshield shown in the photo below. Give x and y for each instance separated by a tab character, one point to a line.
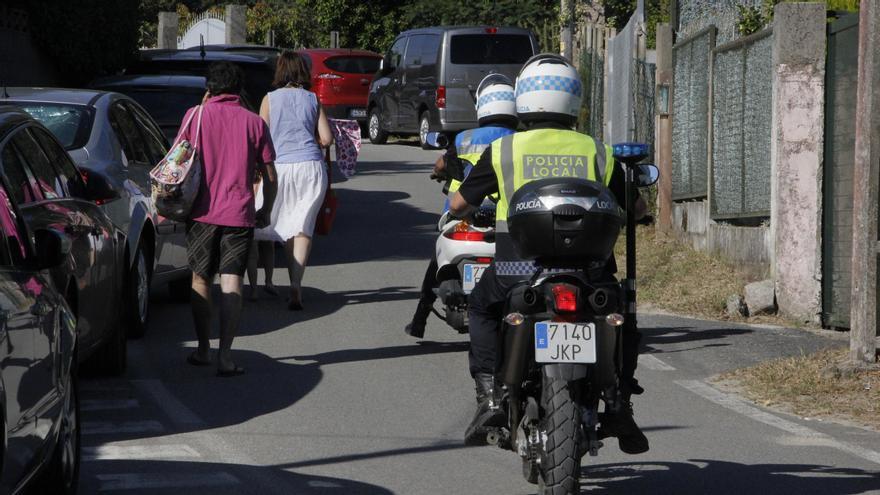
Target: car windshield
71	124
353	64
490	49
166	105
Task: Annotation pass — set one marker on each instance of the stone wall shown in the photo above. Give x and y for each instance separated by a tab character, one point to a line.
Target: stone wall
695	15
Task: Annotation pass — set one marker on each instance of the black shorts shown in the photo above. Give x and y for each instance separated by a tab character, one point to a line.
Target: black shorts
212	248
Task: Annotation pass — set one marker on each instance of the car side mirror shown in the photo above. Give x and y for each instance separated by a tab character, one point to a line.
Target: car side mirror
98	188
51	247
646	174
437	140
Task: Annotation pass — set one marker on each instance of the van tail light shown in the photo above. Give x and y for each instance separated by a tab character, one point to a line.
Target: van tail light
565	298
441	97
464	232
491	30
327	75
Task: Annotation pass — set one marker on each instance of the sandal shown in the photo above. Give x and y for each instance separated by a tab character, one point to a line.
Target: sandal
234	371
195	360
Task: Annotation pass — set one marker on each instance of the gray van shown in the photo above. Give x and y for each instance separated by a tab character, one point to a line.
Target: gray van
428	78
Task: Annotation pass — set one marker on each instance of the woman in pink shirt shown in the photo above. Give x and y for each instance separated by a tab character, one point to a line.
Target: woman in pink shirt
233	144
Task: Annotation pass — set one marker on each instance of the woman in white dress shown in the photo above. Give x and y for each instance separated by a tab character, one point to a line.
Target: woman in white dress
299	130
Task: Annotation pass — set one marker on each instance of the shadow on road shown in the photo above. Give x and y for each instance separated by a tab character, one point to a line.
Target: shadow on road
702	337
376	226
422	348
218	479
721	478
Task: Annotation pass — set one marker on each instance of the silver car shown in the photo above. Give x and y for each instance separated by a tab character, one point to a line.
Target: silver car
111	134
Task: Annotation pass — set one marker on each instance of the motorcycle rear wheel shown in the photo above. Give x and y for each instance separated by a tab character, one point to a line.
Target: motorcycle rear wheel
559	472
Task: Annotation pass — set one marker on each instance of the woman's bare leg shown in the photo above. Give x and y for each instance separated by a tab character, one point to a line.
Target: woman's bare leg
298	249
267	255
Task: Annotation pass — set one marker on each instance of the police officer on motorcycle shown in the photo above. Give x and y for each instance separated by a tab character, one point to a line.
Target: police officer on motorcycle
496	116
548	102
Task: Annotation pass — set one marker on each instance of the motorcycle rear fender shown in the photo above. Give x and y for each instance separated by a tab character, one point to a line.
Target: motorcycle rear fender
565	371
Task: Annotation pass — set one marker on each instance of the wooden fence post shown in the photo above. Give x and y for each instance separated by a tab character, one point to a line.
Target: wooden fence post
663	119
863	332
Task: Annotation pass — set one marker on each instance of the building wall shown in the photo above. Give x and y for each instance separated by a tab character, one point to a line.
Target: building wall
21	62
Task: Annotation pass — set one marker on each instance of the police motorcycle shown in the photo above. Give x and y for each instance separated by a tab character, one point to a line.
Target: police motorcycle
464	248
562	333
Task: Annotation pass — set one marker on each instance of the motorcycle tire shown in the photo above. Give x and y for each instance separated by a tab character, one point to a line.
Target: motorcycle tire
559	472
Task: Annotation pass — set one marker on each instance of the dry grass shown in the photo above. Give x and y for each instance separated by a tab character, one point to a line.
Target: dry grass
813	386
675	277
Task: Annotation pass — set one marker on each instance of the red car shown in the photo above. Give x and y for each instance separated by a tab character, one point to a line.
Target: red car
341	78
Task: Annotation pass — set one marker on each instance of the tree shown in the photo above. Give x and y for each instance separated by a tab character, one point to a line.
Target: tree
86	38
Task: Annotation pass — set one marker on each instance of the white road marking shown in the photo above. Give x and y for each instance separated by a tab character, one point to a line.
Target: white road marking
105	427
107	404
739	406
654	363
182	416
131	452
153	481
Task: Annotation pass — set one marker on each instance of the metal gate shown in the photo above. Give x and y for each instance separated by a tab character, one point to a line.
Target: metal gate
840	120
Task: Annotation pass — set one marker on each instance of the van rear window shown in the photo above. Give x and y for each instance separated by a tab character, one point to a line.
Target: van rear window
482	49
353	64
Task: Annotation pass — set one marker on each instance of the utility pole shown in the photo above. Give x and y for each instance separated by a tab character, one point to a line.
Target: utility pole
866	176
663	126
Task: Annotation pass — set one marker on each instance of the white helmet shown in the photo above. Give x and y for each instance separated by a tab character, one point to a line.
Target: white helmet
495	100
548	88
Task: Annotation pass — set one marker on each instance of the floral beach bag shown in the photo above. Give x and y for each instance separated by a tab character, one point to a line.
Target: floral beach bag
175	181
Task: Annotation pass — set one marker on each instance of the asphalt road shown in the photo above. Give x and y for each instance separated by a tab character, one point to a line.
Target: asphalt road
337	399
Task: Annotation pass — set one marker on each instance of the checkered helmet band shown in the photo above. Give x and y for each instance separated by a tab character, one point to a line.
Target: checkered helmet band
549	83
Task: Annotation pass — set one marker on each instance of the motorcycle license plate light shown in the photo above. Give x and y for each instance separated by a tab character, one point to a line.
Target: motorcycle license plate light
471	275
558	342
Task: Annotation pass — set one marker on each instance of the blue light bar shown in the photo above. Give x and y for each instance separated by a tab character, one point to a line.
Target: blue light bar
627	150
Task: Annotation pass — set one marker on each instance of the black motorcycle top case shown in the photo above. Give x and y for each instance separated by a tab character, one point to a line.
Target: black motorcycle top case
564	221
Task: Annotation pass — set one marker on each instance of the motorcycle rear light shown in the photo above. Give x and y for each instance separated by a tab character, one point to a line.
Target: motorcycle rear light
329	76
565	298
441	97
484	260
464	232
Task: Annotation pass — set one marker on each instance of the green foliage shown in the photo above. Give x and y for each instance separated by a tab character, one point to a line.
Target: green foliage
618	12
753	19
86	38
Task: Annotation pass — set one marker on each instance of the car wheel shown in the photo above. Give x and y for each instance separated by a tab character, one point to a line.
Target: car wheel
62	473
424	129
377	135
138	294
179	289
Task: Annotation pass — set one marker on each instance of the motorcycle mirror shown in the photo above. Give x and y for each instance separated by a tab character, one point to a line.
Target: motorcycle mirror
646	174
437	140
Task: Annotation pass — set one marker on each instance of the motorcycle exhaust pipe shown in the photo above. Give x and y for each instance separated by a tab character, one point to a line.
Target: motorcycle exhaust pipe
517	345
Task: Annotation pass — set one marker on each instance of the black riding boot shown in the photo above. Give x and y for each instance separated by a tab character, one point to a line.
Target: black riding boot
621	424
489	414
416	327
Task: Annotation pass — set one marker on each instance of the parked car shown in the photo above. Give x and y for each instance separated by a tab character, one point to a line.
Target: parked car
165	97
41	180
257	62
110	134
428	78
341	78
38	345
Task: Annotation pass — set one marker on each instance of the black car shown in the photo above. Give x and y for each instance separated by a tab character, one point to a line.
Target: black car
257	62
53	196
38	348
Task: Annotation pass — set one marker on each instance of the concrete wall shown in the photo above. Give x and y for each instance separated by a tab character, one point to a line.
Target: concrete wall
748	247
796	155
695	15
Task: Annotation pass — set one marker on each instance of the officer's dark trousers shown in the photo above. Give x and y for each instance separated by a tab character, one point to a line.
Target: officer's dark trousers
485	311
429	283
